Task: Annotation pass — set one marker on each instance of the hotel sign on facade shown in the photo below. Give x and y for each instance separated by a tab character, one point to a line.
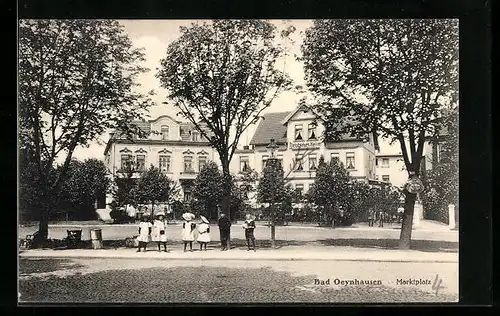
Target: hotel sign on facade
305	145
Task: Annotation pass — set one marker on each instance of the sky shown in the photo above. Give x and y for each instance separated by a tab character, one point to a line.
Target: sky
155	35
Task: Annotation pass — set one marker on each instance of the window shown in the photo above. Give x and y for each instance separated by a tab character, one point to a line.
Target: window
244	166
376	177
439	152
298	132
195	136
141	162
202	161
385	163
350	161
126	161
279	160
312	131
264	160
299	188
188	164
335	156
298	163
164	132
376	162
165	163
187	195
385	178
312	162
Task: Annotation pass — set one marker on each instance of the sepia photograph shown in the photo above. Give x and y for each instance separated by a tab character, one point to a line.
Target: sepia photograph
238	161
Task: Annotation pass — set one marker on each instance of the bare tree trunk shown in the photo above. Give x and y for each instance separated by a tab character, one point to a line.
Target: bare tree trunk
273	227
43	229
226	197
152	210
406	226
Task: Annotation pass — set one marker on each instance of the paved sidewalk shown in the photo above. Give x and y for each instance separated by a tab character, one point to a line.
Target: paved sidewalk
289	253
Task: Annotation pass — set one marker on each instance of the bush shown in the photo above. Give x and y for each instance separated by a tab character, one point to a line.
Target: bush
346	220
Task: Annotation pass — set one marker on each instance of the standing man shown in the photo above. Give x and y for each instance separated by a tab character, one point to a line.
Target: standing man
371	215
381	219
224	229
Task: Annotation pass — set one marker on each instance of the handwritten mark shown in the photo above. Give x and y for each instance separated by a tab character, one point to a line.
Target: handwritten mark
437	284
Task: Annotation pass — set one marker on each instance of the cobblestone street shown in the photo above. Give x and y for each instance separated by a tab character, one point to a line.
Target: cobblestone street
228	281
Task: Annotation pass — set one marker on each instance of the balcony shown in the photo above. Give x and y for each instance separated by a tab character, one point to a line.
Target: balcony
302	174
188	174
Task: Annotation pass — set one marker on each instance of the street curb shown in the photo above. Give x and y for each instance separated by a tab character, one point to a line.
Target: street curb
212	258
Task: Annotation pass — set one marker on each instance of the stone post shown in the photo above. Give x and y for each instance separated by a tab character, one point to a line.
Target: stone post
451	216
109	199
417	210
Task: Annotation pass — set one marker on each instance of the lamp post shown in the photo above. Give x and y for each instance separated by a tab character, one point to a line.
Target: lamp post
271	148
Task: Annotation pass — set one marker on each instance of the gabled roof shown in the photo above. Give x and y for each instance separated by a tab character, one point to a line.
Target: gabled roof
292	114
271	126
167	116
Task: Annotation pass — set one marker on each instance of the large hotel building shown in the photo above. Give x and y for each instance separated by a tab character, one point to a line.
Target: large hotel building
180	151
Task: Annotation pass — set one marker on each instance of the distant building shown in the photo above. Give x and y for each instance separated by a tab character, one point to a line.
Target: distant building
180	151
177	148
299	136
390	166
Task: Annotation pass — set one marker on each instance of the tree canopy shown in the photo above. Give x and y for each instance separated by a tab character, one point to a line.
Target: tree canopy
389	76
271	188
153	187
207	187
331	188
222	75
77	79
392	77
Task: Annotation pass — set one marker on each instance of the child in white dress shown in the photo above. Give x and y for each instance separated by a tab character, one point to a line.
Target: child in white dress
144	233
159	231
188	229
204	233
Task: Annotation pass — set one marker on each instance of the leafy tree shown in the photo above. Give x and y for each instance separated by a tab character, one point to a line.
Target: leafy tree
384	199
222	75
272	190
153	187
247	181
86	182
76	80
124	184
441	183
30	192
207	189
359	202
331	188
389	77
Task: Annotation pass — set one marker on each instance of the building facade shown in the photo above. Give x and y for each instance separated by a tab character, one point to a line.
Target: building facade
180	151
177	148
390	166
299	137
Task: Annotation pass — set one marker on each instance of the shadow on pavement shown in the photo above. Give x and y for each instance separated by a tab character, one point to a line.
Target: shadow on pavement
242	244
28	266
420	245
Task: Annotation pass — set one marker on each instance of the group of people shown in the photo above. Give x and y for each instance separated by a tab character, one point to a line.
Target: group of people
381	217
191	231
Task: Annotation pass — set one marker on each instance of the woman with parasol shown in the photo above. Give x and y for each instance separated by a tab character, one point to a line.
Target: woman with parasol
204	233
159	231
188	230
